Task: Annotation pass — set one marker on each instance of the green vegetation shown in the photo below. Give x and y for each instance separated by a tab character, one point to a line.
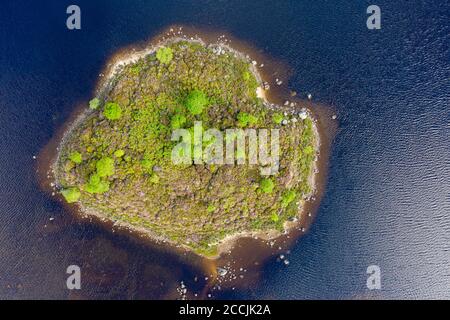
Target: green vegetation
96	185
287	198
76	157
277	118
119	153
112	111
71	194
147	165
94	103
164	55
274	217
154	178
196	101
266	185
117	161
245	119
105	167
177	121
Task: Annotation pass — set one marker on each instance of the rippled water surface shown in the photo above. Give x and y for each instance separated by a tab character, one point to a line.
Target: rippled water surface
387	199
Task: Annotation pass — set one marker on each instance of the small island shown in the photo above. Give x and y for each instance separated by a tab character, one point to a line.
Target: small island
126	159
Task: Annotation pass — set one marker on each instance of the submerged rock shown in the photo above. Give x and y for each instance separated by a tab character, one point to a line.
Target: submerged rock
222	272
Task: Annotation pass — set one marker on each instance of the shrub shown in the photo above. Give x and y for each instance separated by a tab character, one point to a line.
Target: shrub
177	121
94	103
71	194
266	185
245	119
76	157
112	111
164	55
277	118
96	185
105	167
287	198
196	101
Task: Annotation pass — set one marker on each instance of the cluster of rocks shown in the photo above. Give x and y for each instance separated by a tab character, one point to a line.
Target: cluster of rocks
182	290
218	50
294	116
283	258
228	273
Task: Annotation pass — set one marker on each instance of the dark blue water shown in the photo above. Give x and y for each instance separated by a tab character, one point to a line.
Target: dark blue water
387	200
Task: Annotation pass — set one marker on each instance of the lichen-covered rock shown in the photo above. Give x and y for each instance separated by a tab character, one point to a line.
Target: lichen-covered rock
117	161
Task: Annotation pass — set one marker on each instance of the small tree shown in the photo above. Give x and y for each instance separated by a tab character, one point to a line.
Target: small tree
94	103
164	55
196	101
112	111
